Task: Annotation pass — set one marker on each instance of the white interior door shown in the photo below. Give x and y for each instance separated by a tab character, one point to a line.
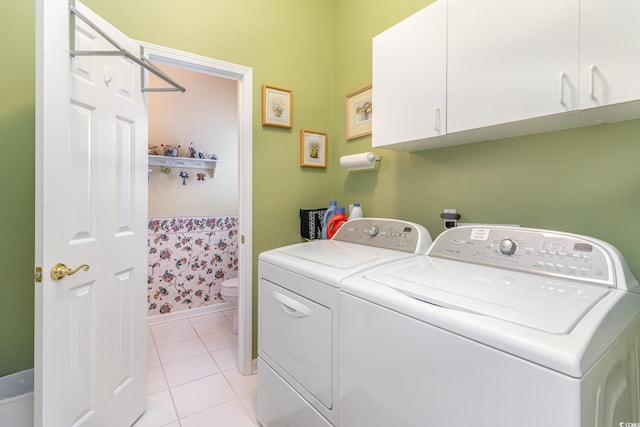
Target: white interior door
91	207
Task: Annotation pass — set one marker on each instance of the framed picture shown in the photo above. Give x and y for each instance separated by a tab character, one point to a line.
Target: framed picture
277	106
313	149
359	113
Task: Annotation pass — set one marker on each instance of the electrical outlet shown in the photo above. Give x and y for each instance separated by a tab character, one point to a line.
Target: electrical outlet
450	217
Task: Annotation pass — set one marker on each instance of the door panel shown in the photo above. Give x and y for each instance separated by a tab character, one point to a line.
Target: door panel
609	52
498	73
91	209
124	179
81	303
124	367
80	174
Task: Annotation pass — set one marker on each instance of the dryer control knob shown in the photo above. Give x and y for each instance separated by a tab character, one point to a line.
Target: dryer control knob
373	231
508	247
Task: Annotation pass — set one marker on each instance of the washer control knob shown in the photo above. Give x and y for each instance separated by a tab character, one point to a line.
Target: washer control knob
508	247
373	231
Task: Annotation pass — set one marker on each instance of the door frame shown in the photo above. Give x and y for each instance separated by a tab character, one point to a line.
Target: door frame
244	76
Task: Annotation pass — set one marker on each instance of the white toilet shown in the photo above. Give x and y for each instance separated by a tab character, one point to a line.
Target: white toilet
229	292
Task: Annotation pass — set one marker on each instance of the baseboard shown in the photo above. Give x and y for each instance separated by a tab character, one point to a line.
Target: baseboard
184	314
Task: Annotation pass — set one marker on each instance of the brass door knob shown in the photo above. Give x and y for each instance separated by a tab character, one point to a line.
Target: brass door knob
60	270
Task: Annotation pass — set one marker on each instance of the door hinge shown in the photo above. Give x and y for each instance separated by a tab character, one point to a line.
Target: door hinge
38	275
242	239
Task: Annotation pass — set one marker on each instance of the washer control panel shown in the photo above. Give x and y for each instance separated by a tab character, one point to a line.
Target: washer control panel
385	233
535	251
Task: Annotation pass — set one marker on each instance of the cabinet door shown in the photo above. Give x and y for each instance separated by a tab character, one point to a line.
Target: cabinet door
510	60
409	78
609	52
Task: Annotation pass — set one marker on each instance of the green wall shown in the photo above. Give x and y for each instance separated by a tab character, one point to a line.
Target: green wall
584	180
17	181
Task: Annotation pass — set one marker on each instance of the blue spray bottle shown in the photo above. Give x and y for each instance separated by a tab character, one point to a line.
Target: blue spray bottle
331	210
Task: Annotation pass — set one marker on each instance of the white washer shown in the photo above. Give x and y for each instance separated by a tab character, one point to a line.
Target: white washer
495	327
298	315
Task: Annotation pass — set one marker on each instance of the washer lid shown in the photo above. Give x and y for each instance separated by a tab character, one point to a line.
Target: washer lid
330	260
334	254
540	302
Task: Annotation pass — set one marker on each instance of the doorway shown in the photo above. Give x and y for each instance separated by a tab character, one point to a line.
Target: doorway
243	78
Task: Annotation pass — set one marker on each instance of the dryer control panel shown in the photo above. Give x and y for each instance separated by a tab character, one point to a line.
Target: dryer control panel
385	233
534	251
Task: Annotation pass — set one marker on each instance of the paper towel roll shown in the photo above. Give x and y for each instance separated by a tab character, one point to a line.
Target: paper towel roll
359	161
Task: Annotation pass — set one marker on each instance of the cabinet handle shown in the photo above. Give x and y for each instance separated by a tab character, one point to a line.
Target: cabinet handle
563	75
592	82
290	306
436	119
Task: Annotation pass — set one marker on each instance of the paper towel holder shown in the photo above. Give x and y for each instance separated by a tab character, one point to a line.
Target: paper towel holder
360	161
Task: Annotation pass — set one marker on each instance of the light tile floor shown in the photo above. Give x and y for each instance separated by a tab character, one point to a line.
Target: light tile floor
192	378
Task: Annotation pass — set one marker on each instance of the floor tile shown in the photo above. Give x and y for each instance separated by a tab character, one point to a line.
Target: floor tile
185	360
250	403
229	314
220	340
170	324
196	396
193	368
241	384
175	334
180	350
227	358
152	358
230	414
150	341
160	411
155	380
212	326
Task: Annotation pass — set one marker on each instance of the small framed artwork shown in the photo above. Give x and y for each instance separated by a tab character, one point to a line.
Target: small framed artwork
313	149
277	106
359	113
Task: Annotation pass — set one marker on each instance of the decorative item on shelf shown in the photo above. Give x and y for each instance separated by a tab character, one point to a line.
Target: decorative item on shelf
277	107
154	150
359	161
201	176
313	149
192	151
359	108
170	150
184	175
203	155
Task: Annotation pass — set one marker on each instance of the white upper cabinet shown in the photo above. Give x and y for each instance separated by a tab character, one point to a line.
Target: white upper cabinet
609	52
510	60
462	71
409	78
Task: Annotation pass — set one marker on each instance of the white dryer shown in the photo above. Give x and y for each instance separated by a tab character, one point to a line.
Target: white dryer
495	327
298	315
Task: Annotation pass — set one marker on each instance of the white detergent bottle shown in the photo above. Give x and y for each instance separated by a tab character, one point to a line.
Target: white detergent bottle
356	211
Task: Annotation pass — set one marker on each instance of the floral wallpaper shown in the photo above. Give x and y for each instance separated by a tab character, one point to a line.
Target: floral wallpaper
189	257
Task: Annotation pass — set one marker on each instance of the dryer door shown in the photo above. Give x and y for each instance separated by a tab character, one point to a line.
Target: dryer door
295	333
